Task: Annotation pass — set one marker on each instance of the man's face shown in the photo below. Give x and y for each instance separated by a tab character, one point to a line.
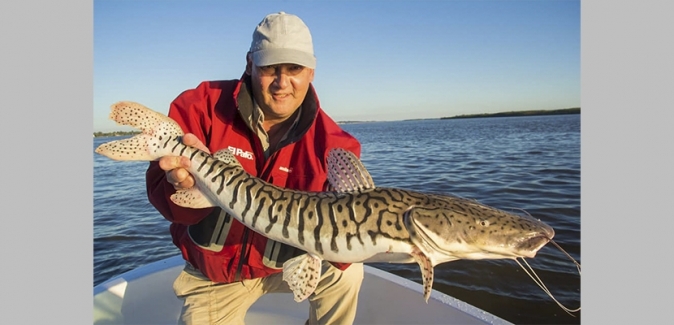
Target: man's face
279	89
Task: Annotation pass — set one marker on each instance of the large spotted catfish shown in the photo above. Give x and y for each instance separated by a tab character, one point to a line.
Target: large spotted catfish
357	222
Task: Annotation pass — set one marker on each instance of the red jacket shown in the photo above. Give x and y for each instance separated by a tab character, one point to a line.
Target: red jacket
218	245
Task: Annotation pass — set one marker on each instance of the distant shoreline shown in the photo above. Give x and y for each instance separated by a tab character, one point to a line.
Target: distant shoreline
563	111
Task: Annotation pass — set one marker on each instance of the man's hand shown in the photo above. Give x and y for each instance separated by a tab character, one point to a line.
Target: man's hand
175	166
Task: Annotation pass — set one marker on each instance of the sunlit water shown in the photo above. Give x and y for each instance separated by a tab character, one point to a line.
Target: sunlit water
512	163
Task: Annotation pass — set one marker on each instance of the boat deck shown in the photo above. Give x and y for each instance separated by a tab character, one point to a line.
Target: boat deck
145	296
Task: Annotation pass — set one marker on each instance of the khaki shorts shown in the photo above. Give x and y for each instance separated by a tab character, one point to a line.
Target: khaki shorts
205	302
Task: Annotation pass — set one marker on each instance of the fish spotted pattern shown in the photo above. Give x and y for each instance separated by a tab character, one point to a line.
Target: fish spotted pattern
357	222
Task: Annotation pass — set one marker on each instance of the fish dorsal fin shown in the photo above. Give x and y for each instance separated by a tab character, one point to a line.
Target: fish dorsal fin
226	156
346	172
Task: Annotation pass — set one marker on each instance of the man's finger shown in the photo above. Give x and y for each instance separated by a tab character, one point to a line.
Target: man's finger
180	178
167	163
192	141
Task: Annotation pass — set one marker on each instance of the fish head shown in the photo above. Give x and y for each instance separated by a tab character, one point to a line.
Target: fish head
466	229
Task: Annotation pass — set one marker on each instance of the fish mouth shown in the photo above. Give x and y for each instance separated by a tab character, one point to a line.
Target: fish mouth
530	246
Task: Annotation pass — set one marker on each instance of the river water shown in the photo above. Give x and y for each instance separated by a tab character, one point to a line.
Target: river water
530	163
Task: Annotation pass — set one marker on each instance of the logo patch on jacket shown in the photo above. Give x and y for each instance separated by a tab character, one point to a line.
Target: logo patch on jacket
240	152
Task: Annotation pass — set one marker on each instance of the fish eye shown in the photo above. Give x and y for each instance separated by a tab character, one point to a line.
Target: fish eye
484	223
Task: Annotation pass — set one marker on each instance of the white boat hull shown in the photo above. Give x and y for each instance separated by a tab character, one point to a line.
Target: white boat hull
145	296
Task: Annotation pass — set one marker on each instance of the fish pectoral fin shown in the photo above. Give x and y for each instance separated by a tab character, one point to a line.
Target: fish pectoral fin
426	271
191	198
302	274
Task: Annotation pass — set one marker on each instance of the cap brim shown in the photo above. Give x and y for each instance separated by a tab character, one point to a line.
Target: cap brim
281	56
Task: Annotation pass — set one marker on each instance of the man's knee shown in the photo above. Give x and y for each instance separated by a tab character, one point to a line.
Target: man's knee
353	275
336	298
334	279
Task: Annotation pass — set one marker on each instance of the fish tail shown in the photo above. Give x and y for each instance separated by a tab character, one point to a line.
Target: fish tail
157	132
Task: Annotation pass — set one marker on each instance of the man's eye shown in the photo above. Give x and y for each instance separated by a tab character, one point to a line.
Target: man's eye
267	69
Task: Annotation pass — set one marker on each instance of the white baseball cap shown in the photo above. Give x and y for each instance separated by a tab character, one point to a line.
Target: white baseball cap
282	38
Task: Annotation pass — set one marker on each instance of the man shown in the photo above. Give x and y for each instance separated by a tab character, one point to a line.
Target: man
272	121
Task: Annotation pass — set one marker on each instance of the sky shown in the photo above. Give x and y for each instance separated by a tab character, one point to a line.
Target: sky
376	60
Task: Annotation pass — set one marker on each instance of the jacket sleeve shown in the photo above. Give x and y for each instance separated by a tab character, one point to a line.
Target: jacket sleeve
190	110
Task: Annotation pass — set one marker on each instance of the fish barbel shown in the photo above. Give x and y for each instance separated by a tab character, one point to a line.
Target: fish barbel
357	222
